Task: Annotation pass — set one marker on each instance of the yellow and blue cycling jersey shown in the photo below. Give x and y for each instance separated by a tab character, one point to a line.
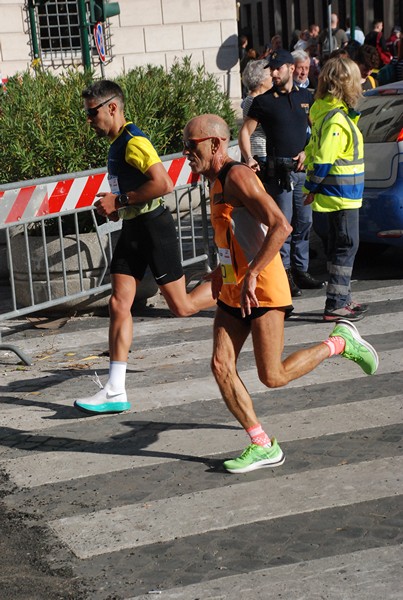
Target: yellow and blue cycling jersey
130	156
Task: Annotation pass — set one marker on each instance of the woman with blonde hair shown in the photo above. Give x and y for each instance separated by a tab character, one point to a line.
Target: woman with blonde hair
335	178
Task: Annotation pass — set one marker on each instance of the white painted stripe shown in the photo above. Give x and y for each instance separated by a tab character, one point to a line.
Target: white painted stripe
311	332
74	193
144	398
365	575
163	520
183	352
57	466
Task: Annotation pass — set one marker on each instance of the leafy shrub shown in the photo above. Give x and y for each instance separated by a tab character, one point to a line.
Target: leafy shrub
43	128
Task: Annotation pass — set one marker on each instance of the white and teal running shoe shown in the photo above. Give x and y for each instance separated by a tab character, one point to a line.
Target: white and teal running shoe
103	402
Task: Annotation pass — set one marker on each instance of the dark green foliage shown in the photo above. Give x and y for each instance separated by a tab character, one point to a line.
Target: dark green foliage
43	128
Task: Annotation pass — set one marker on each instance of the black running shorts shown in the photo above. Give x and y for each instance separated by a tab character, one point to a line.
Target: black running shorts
256	311
148	239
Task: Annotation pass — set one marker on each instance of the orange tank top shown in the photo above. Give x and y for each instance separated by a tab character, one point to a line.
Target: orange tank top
238	236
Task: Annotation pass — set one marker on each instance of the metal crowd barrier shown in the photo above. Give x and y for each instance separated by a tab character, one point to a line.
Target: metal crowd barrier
29	211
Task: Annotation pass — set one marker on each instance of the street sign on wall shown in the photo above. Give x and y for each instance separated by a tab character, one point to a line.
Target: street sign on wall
100	41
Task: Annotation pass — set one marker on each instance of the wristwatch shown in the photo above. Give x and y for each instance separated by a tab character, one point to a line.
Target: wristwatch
123	199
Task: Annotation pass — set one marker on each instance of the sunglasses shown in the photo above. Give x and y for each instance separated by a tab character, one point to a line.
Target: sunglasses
92	112
193	142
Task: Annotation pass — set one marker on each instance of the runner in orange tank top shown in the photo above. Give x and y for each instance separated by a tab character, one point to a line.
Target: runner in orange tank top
252	289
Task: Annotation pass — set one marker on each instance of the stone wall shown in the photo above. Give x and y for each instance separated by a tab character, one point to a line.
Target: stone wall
147	31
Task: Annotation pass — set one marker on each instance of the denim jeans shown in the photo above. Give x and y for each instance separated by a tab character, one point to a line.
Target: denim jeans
342	246
295	250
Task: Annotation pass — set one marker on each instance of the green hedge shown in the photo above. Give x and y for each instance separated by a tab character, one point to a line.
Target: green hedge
43	128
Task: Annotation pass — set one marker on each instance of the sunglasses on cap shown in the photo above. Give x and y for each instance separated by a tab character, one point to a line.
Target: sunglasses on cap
92	112
193	142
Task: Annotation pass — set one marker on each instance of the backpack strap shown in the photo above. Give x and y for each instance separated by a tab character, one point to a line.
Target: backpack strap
371	80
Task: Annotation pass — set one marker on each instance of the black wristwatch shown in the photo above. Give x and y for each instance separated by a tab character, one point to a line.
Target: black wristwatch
123	199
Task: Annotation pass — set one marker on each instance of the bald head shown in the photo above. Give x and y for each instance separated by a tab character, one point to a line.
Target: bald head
207	125
205	141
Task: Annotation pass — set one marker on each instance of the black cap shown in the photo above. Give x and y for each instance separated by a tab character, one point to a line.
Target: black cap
279	58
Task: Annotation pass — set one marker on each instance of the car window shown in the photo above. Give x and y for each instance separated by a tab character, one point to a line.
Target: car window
381	117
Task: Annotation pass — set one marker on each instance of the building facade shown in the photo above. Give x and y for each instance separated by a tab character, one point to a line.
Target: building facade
145	32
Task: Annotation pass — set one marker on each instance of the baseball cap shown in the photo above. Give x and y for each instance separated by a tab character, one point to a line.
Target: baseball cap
397	29
279	58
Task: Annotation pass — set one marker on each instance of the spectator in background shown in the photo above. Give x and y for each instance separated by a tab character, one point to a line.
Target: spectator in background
312	47
302	64
250	55
358	33
257	80
339	38
303	40
376	39
367	60
294	38
335	178
399	61
242	46
393	40
276	43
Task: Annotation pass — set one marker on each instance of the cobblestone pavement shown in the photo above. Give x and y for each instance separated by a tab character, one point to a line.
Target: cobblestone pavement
118	507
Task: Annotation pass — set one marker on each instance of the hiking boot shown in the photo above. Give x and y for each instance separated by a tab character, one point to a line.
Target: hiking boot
294	289
305	280
103	402
256	457
356	349
346	312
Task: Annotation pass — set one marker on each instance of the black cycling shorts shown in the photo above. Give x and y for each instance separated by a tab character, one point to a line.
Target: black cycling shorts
148	240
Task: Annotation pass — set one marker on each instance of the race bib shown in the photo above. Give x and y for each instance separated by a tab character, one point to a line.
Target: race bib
227	270
114	184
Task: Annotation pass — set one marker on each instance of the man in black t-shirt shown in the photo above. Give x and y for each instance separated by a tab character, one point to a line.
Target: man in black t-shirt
283	113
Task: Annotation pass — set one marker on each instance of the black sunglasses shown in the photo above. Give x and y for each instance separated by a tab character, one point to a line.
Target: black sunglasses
92	112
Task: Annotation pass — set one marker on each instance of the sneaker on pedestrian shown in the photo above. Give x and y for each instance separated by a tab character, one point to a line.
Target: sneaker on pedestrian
256	457
359	308
356	348
305	281
345	312
294	289
105	401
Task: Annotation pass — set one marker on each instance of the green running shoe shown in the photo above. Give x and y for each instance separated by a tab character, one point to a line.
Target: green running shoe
356	348
256	457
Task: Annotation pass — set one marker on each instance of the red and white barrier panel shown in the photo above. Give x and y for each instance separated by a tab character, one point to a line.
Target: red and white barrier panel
58	196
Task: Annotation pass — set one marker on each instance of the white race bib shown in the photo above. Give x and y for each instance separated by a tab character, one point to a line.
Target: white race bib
114	184
227	270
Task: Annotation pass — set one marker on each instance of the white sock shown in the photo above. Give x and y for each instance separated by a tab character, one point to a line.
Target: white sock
117	376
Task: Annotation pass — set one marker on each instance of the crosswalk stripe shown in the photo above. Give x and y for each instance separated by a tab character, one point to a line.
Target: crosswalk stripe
57	466
363	575
242	503
156	327
204	388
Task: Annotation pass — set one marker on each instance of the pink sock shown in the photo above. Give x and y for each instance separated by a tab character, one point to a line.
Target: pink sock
258	436
336	344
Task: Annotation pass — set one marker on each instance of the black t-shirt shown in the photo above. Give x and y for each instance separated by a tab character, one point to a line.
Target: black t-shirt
284	118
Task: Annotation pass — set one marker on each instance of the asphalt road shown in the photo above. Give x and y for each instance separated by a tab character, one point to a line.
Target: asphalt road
136	505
